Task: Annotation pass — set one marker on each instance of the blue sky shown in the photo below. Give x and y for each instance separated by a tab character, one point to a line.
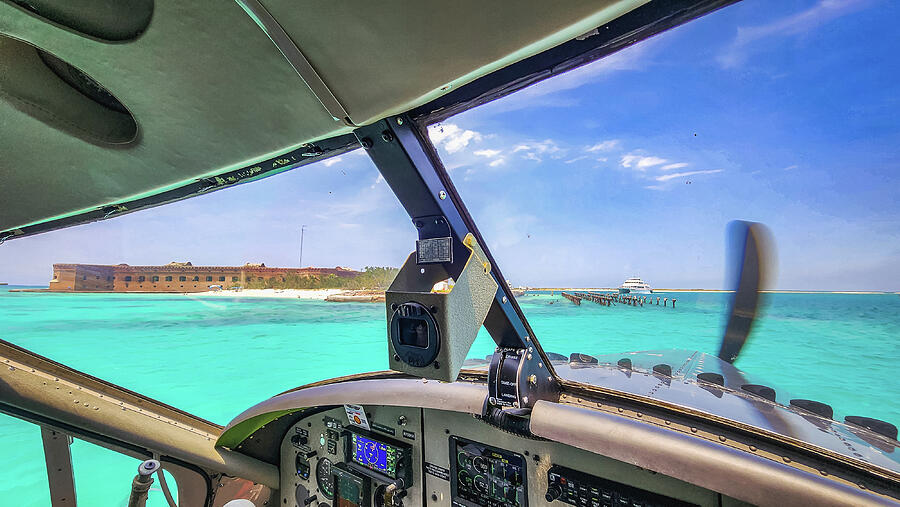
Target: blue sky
783	112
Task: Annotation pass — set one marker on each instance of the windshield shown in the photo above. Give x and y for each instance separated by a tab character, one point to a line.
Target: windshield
631	167
616	183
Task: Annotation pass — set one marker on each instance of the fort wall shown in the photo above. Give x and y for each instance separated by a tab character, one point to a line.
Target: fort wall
174	277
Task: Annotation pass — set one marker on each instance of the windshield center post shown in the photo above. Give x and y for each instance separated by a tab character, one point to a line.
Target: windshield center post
520	373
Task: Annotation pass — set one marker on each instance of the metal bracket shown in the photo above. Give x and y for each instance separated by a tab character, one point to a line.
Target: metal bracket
58	458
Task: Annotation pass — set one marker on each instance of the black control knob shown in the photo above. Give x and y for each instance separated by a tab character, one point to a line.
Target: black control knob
553	492
309	455
309	500
299	439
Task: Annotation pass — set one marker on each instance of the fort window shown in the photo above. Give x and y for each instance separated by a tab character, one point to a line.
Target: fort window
195	279
154	278
141	278
127	279
208	278
234	278
221	278
182	279
168	278
84	277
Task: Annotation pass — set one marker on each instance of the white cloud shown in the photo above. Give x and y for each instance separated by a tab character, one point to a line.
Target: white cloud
545	147
669	167
604	145
576	159
486	153
641	162
451	137
791	167
331	161
801	22
654	187
497	162
667	177
379	179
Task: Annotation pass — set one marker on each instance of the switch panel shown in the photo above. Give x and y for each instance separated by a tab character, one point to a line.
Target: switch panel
578	488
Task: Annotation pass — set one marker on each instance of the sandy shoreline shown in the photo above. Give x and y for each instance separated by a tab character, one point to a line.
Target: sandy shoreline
319	294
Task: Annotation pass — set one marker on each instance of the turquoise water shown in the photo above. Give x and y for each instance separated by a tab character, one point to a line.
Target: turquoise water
215	357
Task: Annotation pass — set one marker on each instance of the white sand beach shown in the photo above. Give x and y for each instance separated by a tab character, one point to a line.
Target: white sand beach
320	294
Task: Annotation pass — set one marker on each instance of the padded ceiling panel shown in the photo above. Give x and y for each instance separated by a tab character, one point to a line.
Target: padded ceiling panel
381	58
210	92
207	88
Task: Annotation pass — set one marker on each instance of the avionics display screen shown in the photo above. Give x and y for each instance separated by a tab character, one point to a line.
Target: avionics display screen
374	455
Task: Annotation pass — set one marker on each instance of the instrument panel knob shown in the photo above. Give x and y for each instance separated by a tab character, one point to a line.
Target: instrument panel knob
553	492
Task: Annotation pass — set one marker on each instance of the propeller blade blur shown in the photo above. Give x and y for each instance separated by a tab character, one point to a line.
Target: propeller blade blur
751	258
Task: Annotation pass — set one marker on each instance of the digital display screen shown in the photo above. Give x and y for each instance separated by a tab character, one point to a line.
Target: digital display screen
374	455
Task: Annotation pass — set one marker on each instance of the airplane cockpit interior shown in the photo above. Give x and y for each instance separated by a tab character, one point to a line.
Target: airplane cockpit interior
111	107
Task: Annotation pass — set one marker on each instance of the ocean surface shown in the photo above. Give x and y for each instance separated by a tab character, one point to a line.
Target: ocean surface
215	357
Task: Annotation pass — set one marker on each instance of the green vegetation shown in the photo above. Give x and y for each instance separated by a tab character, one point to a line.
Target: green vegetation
372	277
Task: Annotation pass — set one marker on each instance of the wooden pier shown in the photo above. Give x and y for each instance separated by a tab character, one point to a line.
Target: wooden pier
614	299
570	297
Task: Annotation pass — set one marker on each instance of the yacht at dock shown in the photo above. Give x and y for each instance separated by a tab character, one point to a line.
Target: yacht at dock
635	285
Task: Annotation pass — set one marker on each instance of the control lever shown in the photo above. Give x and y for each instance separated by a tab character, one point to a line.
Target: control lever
393	494
310	499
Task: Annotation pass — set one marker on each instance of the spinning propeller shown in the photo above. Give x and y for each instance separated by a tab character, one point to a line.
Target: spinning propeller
751	255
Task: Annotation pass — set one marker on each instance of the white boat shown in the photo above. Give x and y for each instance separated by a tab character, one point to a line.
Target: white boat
635	285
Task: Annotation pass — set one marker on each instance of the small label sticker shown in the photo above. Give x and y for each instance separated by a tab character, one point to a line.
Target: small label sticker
437	471
382	428
357	416
434	250
409	434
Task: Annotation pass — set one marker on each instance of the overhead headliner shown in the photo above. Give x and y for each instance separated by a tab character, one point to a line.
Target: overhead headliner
211	93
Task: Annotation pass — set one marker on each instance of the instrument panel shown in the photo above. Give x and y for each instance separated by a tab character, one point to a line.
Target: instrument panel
425	457
485	475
